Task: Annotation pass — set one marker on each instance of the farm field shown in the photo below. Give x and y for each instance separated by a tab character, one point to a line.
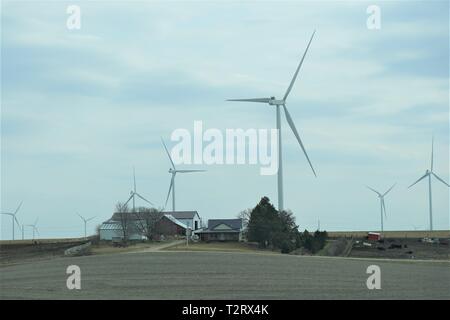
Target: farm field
220	275
220	247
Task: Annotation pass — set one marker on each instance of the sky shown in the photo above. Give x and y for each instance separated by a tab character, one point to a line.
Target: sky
80	108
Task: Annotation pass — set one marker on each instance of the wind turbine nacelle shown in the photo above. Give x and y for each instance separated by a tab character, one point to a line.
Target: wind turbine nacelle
275	102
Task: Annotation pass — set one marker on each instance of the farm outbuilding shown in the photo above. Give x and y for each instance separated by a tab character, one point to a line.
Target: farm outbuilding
191	219
111	229
166	225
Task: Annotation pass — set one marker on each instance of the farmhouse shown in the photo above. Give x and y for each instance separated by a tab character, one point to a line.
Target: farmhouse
222	230
137	223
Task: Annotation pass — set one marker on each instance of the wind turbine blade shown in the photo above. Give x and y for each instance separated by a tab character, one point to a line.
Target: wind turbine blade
441	180
294	129
374	190
18	208
168	154
389	189
170	189
187	171
422	177
432	147
17	221
262	100
37	231
90	219
298	68
35	222
144	199
384	207
132	195
134	179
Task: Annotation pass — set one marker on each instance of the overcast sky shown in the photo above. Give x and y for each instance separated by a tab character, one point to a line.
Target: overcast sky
81	107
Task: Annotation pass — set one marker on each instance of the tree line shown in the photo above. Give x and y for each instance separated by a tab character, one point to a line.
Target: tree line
271	228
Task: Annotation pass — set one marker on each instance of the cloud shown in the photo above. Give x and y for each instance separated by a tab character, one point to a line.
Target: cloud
80	108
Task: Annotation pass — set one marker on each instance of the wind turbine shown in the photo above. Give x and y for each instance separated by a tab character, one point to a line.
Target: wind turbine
133	194
382	205
85	222
14	218
272	101
173	170
429	173
33	226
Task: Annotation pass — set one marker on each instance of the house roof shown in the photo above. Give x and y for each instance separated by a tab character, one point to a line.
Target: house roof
234	224
182	214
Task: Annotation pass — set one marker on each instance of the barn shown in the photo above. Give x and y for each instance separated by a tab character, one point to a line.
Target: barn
191	219
166	225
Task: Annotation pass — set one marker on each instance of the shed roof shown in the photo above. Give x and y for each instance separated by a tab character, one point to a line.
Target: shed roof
114	224
177	222
139	215
182	214
108	225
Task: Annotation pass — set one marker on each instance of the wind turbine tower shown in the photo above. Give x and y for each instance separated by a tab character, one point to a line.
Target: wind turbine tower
134	193
382	204
429	173
85	222
173	171
13	218
272	101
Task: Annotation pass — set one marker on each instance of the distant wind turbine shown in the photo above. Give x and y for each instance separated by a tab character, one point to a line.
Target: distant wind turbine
85	222
282	103
35	229
382	205
429	173
133	194
13	218
173	170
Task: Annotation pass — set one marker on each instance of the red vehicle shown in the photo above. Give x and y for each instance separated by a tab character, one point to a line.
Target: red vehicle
374	236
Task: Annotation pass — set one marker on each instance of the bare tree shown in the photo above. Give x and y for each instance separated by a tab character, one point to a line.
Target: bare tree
125	220
147	221
245	216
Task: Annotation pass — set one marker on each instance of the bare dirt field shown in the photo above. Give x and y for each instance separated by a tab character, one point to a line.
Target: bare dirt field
221	275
